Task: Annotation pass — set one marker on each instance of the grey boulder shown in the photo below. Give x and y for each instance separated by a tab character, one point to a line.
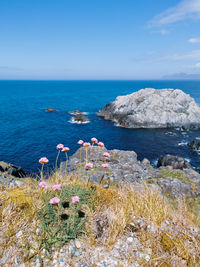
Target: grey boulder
152	108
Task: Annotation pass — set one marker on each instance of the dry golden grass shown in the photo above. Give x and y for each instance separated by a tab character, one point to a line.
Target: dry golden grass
118	210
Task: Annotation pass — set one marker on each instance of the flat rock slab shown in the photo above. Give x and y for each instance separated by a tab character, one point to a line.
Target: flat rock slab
152	108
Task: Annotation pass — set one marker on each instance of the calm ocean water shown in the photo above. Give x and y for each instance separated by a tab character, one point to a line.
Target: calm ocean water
27	132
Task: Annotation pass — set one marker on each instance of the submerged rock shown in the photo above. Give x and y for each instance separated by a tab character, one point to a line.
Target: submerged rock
173	161
50	109
75	112
195	145
151	108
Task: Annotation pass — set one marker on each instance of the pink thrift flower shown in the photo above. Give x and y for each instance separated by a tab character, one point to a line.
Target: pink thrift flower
94	140
75	199
65	149
89	165
104	165
56	187
86	144
59	146
80	142
106	155
101	144
43	185
54	201
43	160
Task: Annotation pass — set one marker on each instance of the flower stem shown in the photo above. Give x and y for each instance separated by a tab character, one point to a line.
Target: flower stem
66	163
42	172
57	159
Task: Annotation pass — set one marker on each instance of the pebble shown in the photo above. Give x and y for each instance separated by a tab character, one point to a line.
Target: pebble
19	234
129	239
37	231
77	243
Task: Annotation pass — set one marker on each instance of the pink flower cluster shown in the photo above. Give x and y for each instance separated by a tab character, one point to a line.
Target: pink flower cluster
106	155
94	140
43	185
101	144
43	160
104	165
56	187
60	146
54	201
86	144
89	165
65	149
80	142
75	199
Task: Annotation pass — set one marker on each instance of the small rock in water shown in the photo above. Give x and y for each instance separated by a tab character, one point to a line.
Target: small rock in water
50	110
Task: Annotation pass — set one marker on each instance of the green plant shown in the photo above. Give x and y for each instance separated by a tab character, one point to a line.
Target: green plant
66	220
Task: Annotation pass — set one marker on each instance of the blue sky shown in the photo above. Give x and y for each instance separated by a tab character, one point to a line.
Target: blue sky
93	39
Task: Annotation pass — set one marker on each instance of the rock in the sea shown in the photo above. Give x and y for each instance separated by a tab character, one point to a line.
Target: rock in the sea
50	109
75	112
195	145
173	161
151	108
80	118
12	170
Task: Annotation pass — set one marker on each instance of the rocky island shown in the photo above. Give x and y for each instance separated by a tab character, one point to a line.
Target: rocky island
152	108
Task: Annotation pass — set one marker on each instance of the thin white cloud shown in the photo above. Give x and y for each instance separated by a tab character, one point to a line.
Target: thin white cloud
194	40
163	32
197	65
184	10
192	55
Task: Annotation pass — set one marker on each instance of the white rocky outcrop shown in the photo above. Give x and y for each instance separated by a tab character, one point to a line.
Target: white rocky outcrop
153	108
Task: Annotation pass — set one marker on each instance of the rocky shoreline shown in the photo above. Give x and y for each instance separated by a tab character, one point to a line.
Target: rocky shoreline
173	175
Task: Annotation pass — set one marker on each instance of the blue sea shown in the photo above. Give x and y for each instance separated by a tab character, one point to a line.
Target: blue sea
28	133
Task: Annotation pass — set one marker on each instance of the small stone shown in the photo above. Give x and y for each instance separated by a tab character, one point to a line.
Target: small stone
31	251
147	257
78	253
17	261
77	243
129	239
37	231
19	234
60	260
151	228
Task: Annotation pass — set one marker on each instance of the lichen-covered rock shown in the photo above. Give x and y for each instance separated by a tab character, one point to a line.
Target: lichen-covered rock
123	167
151	108
174	161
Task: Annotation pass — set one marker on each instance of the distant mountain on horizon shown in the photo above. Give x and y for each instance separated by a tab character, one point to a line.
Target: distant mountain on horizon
182	76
